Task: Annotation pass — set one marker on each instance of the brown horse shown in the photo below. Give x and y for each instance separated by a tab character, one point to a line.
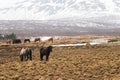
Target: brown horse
37	40
9	42
50	39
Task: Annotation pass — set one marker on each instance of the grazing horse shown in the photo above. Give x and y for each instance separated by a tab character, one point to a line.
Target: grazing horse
16	41
50	39
8	42
25	53
27	40
45	51
37	39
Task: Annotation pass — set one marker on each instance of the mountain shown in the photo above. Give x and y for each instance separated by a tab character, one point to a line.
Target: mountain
60	17
57	9
57	28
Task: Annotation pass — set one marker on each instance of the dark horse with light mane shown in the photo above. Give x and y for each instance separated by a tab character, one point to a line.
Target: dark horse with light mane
45	51
27	40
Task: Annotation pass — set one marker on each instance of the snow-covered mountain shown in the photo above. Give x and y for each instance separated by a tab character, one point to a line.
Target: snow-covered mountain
57	9
60	17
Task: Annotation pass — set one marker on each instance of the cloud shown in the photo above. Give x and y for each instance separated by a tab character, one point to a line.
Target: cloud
7	3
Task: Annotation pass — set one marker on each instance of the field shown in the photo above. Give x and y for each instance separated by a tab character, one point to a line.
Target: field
98	62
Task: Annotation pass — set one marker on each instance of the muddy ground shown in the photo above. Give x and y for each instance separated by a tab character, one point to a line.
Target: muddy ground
65	63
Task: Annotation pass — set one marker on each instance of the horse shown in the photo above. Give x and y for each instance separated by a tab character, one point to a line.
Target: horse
50	39
25	53
27	40
37	39
45	51
16	41
8	41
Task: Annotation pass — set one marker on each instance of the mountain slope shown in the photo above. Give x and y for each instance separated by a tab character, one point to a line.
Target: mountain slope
56	28
55	9
60	17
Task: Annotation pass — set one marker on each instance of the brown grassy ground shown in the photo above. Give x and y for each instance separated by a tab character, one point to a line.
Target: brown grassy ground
71	63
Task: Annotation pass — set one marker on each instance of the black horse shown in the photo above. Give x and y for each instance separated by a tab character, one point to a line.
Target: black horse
25	53
16	41
45	51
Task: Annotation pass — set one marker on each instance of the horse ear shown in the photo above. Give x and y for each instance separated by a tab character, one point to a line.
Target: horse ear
50	48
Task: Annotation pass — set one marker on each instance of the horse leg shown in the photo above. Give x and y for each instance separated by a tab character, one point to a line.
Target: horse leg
30	56
47	57
41	56
27	57
21	57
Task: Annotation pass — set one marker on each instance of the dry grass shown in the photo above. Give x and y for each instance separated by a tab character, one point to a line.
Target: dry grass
65	63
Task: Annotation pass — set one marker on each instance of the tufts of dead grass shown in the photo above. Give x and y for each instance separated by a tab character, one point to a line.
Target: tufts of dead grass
99	62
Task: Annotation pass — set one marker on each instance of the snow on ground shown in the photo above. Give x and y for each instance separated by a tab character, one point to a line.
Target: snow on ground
92	42
45	38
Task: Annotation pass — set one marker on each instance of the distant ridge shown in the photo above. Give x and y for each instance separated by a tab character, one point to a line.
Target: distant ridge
56	28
